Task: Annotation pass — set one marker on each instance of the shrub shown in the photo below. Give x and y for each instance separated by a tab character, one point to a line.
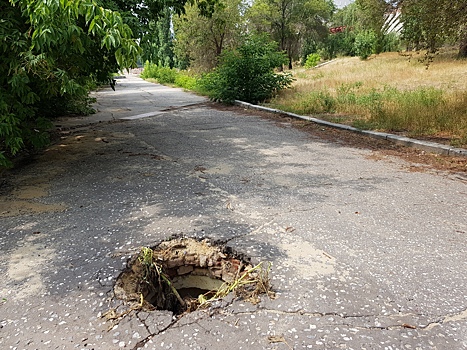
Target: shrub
150	71
163	75
365	43
312	60
247	73
309	46
166	75
173	76
51	53
186	81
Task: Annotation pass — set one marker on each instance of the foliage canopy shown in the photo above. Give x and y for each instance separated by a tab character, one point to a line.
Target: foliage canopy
50	54
291	22
199	41
430	24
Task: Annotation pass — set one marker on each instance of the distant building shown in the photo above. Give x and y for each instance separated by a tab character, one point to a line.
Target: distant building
342	3
392	23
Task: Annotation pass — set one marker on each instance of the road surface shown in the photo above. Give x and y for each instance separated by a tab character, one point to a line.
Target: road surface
365	253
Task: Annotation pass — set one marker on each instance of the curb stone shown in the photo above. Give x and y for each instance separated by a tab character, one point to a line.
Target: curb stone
402	140
324	63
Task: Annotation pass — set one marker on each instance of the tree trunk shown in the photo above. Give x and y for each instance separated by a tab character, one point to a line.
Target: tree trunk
463	46
290	62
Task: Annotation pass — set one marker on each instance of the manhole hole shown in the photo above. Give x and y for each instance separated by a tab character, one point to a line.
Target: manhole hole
183	274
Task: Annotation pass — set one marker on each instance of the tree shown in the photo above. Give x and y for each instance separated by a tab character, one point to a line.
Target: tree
157	42
430	24
149	21
200	40
343	42
289	22
50	53
374	17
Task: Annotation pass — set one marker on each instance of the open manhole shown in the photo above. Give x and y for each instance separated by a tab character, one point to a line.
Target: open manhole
183	274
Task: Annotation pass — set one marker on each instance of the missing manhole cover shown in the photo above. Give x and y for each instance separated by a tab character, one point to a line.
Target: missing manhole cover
183	274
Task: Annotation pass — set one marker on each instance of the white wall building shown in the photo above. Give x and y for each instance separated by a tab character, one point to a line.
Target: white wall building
342	3
393	23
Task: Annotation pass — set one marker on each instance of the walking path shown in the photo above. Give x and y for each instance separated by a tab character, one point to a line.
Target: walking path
365	254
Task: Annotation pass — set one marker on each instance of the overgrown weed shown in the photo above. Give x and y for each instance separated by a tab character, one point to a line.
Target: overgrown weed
387	93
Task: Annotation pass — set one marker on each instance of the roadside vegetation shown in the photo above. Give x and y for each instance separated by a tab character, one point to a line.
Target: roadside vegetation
245	73
389	92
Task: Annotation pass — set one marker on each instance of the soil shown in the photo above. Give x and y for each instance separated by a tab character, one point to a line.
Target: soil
22	191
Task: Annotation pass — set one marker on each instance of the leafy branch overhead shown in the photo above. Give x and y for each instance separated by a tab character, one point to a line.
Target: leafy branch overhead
51	53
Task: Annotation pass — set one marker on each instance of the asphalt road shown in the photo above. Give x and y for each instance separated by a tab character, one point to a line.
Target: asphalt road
365	253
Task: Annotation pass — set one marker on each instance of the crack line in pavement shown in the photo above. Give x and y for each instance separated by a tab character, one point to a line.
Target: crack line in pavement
326	314
250	233
190	105
304	313
460	316
210	312
142	342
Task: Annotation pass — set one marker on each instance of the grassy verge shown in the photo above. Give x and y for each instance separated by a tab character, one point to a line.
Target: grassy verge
387	93
173	77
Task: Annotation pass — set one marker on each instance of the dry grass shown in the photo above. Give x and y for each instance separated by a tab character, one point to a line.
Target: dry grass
388	92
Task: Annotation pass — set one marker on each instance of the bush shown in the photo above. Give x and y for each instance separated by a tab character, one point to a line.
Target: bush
166	75
50	56
150	71
309	46
365	43
163	75
312	60
247	73
186	81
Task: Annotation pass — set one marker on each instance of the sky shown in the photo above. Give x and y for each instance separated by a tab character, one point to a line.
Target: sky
342	3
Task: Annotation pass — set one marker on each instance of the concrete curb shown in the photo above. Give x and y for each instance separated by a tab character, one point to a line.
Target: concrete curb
402	140
324	63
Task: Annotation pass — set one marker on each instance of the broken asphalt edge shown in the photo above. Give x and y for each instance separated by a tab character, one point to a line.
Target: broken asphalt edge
402	140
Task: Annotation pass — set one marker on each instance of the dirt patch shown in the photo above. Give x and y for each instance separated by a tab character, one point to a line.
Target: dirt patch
417	160
23	188
22	193
26	265
184	274
13	207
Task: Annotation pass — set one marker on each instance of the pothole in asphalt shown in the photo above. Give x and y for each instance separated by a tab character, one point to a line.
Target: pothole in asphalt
183	274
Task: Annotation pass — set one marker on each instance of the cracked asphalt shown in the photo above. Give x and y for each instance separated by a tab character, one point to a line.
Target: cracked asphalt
365	253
